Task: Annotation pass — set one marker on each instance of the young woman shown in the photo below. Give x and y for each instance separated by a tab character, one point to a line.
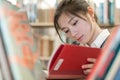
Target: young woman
77	20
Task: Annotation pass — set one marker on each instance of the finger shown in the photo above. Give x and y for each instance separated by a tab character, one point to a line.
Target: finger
86	72
91	60
87	66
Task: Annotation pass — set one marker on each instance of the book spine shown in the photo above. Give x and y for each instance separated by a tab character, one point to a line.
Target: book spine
117	13
5	72
109	60
101	13
117	76
106	19
114	67
111	11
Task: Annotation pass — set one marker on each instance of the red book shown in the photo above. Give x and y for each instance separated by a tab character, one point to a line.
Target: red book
67	61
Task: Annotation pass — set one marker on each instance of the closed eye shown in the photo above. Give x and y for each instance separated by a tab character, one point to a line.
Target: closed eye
66	31
75	23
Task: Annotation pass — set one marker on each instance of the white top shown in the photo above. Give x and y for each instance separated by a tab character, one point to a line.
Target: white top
100	39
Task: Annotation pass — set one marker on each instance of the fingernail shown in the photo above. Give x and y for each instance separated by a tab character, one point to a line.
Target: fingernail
88	59
82	66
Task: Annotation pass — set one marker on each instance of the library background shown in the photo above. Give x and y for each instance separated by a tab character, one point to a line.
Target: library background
40	15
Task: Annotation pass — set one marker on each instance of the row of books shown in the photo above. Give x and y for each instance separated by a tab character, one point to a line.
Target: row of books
40	11
45	41
46	38
106	11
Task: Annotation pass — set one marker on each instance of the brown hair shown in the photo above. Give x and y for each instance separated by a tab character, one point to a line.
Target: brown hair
69	7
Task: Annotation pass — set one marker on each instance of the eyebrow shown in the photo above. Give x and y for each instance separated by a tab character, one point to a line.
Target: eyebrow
71	19
68	22
63	28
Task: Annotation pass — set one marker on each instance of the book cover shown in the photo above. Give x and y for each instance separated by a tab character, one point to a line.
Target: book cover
5	72
106	9
101	13
117	76
67	61
111	11
22	51
116	13
1	77
115	65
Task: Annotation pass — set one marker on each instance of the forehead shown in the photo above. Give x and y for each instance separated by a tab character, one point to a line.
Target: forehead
64	20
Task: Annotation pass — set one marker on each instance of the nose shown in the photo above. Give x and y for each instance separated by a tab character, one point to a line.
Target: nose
73	32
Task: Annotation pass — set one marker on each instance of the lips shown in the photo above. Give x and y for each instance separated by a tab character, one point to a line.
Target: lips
80	38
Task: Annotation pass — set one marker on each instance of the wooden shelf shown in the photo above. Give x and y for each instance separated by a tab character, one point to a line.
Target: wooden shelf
44	58
108	25
41	25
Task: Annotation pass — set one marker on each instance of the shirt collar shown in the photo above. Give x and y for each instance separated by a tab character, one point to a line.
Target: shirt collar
100	39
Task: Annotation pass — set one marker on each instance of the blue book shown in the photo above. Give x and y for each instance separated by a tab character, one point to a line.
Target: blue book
111	11
117	76
101	13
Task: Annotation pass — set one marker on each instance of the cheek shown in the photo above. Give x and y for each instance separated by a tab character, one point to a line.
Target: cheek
70	37
84	28
88	29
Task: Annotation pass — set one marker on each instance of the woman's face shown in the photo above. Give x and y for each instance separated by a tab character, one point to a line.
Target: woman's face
76	28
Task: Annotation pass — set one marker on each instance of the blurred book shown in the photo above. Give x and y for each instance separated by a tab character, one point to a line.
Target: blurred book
117	75
106	60
21	49
5	72
111	11
114	67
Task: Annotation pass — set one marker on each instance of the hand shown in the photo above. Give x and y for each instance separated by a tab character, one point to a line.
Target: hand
88	67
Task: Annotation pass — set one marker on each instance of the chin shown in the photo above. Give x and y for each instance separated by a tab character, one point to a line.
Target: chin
83	42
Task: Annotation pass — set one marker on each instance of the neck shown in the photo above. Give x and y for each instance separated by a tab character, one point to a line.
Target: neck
95	33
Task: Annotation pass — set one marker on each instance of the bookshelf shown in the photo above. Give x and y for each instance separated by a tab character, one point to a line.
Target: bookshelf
108	26
45	36
45	27
107	11
106	19
44	24
40	15
102	9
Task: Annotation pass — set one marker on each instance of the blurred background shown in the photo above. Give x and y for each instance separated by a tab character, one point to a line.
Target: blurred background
40	15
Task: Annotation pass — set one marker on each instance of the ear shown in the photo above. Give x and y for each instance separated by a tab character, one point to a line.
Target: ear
90	11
